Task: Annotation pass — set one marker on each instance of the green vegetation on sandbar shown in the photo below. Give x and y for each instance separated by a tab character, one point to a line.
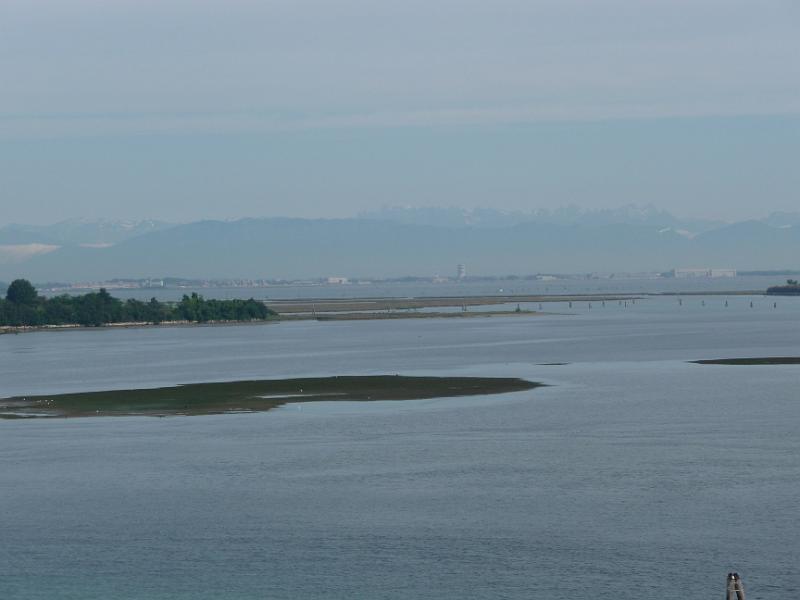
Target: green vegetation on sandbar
253	396
23	307
792	288
767	360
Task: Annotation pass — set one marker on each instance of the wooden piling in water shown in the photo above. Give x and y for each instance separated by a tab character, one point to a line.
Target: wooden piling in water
738	587
729	591
734	589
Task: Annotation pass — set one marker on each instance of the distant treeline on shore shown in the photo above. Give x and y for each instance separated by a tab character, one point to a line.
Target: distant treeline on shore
792	288
23	306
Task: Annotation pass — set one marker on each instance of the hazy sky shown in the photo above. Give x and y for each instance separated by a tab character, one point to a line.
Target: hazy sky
183	110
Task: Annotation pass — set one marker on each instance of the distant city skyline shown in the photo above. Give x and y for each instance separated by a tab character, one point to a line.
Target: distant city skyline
183	110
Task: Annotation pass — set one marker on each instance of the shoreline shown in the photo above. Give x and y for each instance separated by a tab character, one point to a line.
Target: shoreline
372	308
321	305
368	316
15	330
389	316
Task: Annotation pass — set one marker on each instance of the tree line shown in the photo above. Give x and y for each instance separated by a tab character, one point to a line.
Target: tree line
23	306
792	288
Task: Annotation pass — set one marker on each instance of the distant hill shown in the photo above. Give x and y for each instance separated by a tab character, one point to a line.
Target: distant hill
631	214
77	232
20	243
299	248
783	219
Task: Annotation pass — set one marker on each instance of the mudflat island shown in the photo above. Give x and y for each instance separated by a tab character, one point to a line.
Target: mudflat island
252	396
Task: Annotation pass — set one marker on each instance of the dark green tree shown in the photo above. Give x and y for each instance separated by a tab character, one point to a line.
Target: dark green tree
21	292
23	307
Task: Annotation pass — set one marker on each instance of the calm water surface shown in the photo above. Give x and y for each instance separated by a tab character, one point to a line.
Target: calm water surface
465	288
633	475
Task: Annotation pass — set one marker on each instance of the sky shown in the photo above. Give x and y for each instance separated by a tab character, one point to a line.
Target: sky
184	110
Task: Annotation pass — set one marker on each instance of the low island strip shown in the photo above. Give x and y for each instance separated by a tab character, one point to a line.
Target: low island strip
252	396
763	360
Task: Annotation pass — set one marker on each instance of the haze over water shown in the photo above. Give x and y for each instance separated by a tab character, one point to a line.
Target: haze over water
422	289
316	140
634	474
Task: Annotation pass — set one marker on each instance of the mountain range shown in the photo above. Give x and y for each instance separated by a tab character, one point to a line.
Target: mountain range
100	232
371	247
631	214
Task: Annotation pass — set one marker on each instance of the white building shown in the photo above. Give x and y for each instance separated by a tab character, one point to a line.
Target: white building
461	271
710	273
723	272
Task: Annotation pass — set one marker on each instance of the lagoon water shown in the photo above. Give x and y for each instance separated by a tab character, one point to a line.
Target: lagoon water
633	475
458	289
